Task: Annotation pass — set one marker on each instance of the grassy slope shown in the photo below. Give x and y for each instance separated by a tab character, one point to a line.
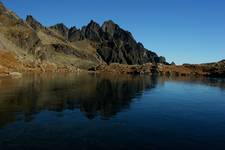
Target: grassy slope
84	49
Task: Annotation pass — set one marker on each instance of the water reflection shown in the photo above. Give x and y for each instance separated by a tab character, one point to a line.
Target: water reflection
111	112
94	95
212	82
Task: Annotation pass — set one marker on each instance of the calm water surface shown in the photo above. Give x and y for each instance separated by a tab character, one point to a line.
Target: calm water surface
107	112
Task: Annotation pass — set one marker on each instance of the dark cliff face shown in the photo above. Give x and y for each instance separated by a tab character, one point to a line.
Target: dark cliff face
114	44
61	29
92	32
119	46
34	23
75	35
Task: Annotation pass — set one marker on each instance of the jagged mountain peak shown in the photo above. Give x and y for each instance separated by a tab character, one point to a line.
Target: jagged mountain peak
6	13
75	34
73	28
36	25
92	31
92	22
110	22
93	26
110	27
108	43
2	7
61	28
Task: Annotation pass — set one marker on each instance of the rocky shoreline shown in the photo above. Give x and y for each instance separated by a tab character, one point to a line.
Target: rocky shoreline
12	66
210	70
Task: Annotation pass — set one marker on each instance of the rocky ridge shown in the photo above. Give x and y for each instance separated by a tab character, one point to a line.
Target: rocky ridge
30	46
79	48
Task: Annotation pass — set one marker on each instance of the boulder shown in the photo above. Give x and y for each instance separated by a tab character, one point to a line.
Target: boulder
15	74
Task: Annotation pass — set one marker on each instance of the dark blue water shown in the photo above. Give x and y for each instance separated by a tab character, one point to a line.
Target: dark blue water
107	112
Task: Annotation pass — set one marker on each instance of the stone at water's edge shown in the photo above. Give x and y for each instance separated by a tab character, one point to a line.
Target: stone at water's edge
4	72
15	74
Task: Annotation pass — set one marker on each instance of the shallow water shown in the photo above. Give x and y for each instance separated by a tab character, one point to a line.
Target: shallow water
81	111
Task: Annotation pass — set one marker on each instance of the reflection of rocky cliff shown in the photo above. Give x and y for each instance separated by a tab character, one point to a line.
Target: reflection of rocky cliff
93	95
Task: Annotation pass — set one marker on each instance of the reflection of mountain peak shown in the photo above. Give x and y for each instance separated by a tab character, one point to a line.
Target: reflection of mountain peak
93	95
97	95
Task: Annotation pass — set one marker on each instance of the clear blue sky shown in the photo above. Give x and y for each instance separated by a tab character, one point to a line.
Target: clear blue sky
184	31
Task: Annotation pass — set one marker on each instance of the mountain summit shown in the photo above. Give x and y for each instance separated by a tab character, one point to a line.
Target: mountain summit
89	46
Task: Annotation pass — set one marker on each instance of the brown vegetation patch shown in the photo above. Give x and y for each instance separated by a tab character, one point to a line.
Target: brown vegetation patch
9	60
